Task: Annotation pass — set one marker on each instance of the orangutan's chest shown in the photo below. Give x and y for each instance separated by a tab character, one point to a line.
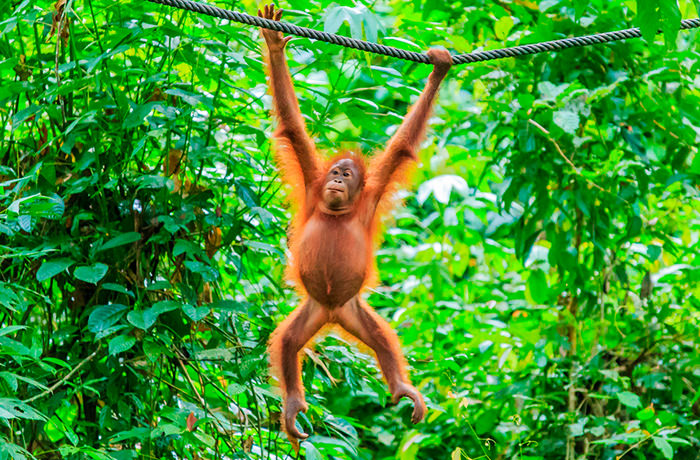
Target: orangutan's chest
333	259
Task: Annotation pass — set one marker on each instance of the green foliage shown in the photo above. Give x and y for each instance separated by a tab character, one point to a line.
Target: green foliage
543	274
661	15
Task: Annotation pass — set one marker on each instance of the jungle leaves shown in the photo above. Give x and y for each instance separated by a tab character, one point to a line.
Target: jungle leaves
659	15
363	23
88	273
106	244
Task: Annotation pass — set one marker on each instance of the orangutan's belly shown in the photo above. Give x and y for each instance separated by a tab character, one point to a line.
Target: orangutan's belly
333	259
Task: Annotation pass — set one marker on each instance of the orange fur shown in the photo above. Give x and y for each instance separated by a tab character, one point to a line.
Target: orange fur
332	240
293	177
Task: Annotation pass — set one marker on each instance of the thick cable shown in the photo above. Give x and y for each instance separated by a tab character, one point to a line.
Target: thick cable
376	48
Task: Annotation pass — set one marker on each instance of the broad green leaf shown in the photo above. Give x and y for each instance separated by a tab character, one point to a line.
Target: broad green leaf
537	286
265	216
166	429
155	182
120	344
629	399
140	319
653	251
230	305
371	24
14	408
51	268
120	240
246	194
670	21
336	16
634	227
154	350
664	447
55	429
576	429
312	453
110	331
566	120
138	433
441	188
25	222
192	99
11	330
117	288
235	389
138	114
550	91
23	114
10	379
196	313
91	273
146	318
695	165
186	247
165	305
159	285
32	382
105	316
206	271
217	354
12	451
411	444
503	26
12	347
646	414
648	19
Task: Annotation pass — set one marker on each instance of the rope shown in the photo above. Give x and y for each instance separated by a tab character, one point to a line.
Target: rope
347	42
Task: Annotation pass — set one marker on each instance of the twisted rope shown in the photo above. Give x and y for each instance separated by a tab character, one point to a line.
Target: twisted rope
348	42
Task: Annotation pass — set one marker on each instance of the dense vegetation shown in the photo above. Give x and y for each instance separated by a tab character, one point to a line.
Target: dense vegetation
544	274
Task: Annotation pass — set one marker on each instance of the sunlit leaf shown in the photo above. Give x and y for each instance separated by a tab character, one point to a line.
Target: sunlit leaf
566	120
441	187
629	399
503	26
648	18
664	447
11	408
537	286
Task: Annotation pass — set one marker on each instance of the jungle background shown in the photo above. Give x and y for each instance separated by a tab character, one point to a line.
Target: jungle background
543	273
